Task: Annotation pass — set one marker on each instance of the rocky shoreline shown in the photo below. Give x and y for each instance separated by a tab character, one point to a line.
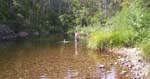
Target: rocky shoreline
6	33
133	61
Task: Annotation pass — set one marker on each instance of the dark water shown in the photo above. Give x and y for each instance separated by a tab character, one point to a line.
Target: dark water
44	60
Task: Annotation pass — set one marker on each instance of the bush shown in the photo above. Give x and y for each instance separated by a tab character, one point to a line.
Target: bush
110	38
98	39
122	37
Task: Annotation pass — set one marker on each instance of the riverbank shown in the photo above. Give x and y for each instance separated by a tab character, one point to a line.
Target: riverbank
132	60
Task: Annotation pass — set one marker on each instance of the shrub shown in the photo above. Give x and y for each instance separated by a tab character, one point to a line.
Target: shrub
110	38
122	37
98	39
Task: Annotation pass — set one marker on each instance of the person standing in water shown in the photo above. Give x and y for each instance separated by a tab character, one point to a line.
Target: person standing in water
77	37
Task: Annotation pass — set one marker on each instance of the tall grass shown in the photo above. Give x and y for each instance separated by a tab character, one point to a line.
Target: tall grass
98	39
145	47
144	44
110	38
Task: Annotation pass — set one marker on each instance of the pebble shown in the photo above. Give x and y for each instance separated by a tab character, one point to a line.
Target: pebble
123	72
115	63
101	66
135	63
109	71
111	64
89	67
43	77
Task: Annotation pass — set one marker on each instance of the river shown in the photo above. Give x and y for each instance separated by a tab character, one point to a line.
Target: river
41	59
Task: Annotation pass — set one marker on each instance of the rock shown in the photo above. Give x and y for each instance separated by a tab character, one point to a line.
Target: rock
101	66
6	33
36	33
43	77
72	73
127	76
89	67
119	57
23	34
133	61
123	72
130	66
109	72
111	64
44	33
115	63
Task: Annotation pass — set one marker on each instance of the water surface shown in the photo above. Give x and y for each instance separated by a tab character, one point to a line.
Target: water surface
44	60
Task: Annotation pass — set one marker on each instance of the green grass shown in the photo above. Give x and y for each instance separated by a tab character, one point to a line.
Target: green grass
110	38
145	47
98	39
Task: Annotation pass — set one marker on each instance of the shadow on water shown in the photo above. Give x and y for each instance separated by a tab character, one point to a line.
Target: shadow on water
41	59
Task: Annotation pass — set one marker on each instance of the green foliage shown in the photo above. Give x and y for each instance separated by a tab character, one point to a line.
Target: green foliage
50	15
98	39
32	15
5	13
126	3
145	47
110	38
97	18
122	37
88	30
128	17
86	12
129	27
67	21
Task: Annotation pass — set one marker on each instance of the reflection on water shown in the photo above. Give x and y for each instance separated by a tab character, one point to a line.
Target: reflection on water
76	48
38	60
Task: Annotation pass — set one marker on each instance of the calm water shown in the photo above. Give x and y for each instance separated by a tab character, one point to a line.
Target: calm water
43	60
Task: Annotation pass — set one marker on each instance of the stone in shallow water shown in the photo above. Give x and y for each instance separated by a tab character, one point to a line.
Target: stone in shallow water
101	66
43	77
72	74
123	72
109	71
23	34
115	63
89	67
111	64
